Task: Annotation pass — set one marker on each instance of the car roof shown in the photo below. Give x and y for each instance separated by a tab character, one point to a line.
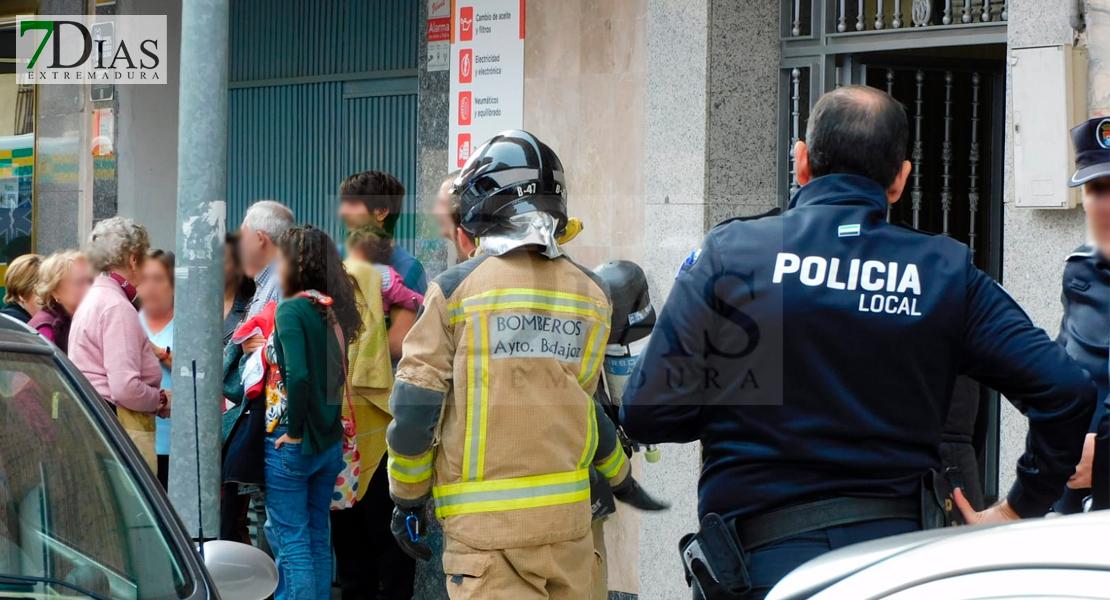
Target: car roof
16	336
870	568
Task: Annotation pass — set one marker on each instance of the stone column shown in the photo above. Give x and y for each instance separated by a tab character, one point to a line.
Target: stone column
431	155
1036	242
674	220
1098	53
712	89
63	154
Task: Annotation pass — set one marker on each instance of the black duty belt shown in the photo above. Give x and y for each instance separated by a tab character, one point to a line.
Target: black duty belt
784	523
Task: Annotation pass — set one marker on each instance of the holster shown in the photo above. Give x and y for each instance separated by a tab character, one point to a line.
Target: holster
938	501
714	562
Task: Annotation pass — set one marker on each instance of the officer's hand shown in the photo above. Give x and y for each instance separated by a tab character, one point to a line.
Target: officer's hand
408	529
630	493
1081	480
999	513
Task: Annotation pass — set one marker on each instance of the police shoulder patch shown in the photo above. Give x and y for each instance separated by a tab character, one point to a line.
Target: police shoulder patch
688	263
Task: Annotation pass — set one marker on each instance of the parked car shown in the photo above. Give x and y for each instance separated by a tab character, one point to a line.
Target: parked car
81	515
1061	558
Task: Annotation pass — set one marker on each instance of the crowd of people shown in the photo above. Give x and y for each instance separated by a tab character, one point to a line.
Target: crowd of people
355	392
289	407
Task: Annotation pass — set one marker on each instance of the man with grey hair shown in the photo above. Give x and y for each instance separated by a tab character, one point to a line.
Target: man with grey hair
263	224
243	429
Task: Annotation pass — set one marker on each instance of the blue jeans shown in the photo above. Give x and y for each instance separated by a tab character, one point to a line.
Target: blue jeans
298	497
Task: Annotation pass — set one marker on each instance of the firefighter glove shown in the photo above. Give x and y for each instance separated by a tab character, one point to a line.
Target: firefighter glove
408	527
630	493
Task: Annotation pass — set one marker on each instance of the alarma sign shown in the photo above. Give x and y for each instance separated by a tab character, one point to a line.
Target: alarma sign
487	73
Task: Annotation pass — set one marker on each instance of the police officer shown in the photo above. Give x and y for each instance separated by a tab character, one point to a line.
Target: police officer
1100	468
813	355
1085	328
493	414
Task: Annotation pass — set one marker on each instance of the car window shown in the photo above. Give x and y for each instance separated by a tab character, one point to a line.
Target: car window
70	509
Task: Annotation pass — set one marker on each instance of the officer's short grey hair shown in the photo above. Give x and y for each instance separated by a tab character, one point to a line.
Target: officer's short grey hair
269	217
114	242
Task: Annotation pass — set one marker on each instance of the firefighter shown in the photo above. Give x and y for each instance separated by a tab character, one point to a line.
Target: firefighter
632	320
814	353
492	406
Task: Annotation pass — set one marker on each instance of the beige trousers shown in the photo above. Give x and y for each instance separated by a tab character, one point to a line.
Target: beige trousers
601	581
561	571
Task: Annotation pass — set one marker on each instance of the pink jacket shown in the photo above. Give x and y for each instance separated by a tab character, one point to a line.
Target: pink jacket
395	292
108	345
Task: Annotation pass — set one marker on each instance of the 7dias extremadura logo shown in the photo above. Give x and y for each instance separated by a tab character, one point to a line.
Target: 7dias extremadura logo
74	49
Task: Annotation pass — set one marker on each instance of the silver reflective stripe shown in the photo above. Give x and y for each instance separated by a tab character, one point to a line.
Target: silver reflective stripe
477	390
396	466
455	314
595	353
507	298
513	494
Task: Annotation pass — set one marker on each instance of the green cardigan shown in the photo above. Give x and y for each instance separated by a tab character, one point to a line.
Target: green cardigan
314	380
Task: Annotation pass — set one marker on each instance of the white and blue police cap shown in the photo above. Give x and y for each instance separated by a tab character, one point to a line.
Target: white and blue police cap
1092	150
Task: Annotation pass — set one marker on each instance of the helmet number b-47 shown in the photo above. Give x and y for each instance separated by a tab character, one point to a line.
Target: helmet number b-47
529	189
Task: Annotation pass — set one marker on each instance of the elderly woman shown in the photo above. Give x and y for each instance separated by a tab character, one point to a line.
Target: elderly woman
107	342
19	284
64	279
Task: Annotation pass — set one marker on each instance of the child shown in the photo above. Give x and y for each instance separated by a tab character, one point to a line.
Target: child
372	244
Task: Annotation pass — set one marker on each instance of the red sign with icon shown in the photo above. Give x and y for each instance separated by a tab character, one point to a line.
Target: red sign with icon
466	65
466	23
465	101
464	149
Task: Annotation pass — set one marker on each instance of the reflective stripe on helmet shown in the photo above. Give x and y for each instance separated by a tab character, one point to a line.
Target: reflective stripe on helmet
512	494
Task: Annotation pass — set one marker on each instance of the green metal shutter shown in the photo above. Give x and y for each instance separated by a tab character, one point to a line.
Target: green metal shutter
387	144
317	95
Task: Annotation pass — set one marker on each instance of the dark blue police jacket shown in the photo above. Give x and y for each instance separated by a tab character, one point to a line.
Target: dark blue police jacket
814	354
1085	328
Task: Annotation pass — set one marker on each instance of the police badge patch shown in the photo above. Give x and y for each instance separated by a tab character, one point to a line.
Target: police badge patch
1102	134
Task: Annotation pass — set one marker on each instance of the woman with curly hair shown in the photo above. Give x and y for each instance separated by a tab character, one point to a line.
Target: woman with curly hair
304	396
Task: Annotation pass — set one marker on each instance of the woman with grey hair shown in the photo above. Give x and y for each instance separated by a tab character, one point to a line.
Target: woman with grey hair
106	340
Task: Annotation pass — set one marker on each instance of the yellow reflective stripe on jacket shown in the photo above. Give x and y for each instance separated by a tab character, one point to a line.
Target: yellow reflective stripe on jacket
510	298
591	359
409	470
591	435
477	398
612	467
512	494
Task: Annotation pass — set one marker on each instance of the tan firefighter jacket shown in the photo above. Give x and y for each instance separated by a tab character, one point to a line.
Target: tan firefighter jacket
492	404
